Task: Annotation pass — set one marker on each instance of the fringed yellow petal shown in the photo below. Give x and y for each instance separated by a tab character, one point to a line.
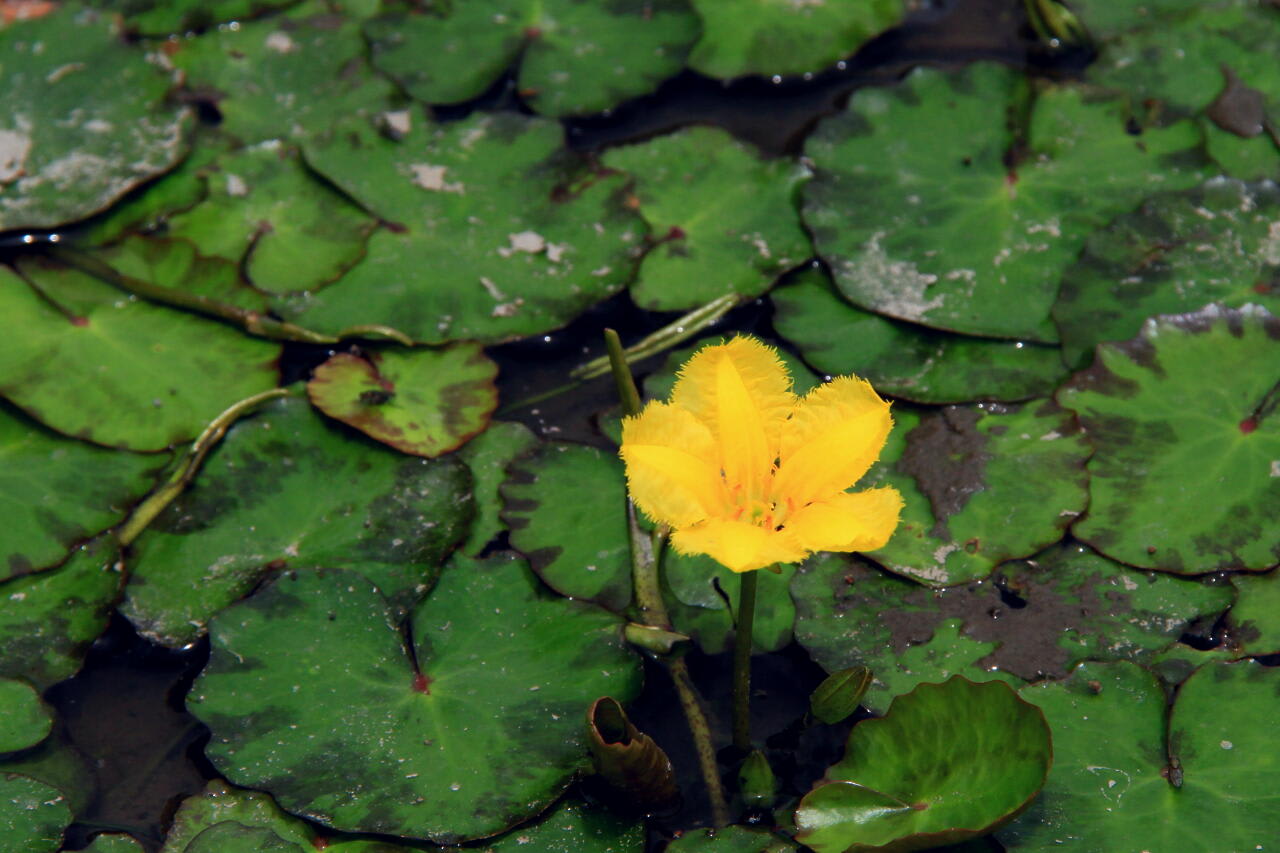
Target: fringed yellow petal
737	545
671	471
858	521
742	391
834	435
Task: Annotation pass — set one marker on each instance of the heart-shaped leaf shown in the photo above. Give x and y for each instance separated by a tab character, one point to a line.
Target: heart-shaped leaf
24	719
930	207
1209	785
147	388
285	489
981	485
575	56
498	233
85	119
903	359
32	814
1175	253
765	37
57	492
479	736
724	220
1185	408
424	402
948	762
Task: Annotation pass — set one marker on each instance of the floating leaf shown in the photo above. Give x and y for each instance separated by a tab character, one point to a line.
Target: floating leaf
1111	782
50	618
161	17
57	492
85	119
285	489
729	839
59	764
921	218
1175	253
575	56
424	402
981	486
1076	604
947	763
565	505
839	695
219	803
488	455
87	360
177	265
291	76
571	827
264	209
1255	617
766	37
1183	477
905	360
498	232
724	220
232	837
32	814
24	719
481	736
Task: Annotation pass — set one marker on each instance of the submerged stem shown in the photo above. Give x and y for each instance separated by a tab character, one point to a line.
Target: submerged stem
742	662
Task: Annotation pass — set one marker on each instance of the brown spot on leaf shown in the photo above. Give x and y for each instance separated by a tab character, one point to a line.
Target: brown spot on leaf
1238	108
947	456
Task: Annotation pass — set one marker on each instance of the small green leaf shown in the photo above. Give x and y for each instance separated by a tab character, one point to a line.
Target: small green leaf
1184	409
1255	617
24	719
286	489
232	837
905	360
575	56
571	827
947	763
478	737
488	456
840	693
85	118
424	402
148	387
496	232
32	814
723	220
756	783
177	265
219	803
767	37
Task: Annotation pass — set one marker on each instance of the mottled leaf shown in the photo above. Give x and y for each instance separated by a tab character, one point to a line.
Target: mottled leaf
424	402
219	803
1255	617
723	220
1186	438
177	265
32	814
488	455
479	736
498	232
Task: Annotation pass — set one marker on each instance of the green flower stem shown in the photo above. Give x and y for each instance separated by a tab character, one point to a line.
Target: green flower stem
155	502
742	662
653	610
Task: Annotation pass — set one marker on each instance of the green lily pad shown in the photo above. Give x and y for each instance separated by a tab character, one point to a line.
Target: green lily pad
768	37
724	220
981	485
265	210
162	17
285	489
921	218
1176	253
32	814
86	118
1184	473
177	265
729	839
1038	618
905	360
114	842
219	803
572	827
478	737
498	232
232	837
575	56
59	764
57	492
488	456
424	402
291	76
1255	618
1111	783
24	719
87	360
947	763
49	619
565	505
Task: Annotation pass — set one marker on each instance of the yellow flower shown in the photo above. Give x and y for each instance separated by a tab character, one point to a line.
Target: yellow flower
746	471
